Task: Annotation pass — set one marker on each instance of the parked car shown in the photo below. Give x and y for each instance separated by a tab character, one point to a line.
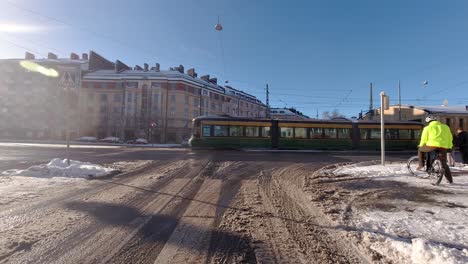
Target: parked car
137	141
110	140
86	139
141	141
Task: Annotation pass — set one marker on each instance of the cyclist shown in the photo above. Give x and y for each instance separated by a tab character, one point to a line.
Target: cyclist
436	136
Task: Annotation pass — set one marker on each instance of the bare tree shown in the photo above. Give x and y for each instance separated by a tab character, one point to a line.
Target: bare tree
334	114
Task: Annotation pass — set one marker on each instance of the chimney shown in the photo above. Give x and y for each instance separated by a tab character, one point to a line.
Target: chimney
192	72
158	67
29	56
146	66
51	56
214	80
181	68
205	78
466	107
74	56
138	68
84	56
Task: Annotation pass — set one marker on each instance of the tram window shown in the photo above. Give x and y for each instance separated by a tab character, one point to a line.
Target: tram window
343	133
251	131
286	132
417	134
316	132
364	133
300	132
330	132
206	130
265	131
375	134
391	133
405	134
235	131
220	131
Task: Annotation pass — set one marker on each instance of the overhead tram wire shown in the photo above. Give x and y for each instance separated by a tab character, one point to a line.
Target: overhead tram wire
22	47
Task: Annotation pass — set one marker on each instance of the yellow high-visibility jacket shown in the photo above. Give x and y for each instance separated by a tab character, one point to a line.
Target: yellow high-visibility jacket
436	134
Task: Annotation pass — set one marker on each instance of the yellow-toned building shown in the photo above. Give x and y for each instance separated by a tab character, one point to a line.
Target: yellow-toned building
453	116
159	105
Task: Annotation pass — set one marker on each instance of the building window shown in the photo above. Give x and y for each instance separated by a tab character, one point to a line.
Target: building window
132	84
172	111
213	107
286	132
116	110
156	98
300	132
173	98
155	85
91	96
220	107
129	97
103	97
172	86
187	99
195	101
461	123
117	98
195	113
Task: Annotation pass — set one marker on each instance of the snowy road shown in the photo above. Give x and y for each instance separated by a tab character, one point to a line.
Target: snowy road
183	207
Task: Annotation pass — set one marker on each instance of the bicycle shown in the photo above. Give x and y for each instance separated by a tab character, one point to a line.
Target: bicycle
433	168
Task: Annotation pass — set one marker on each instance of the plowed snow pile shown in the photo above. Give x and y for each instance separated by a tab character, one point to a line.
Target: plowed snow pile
60	168
399	217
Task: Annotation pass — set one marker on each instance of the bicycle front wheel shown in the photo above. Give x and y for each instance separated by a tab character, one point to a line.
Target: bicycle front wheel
438	172
412	164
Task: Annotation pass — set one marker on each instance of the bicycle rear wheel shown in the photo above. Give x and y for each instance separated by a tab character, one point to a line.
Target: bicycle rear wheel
438	172
412	164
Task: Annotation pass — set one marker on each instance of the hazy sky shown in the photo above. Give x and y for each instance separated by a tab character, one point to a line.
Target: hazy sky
315	55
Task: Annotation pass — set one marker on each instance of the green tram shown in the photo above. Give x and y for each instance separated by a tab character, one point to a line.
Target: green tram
228	132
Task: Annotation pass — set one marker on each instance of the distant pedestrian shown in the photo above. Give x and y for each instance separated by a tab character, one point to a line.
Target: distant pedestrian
451	157
462	144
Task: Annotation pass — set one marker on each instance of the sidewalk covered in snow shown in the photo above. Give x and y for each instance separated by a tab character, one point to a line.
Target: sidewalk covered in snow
393	215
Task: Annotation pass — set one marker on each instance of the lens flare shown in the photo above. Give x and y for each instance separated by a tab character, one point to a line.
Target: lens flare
34	67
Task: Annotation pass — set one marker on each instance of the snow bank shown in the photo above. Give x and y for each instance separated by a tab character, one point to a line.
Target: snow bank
434	230
60	168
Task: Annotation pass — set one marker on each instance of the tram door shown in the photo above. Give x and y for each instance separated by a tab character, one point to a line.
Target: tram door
275	134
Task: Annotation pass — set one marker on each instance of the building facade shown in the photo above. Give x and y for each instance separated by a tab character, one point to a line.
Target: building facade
38	105
453	116
93	96
155	104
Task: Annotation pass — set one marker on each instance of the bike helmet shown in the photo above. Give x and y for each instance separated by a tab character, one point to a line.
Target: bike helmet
430	118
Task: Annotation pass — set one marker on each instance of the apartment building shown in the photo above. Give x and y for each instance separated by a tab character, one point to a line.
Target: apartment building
34	105
454	116
147	102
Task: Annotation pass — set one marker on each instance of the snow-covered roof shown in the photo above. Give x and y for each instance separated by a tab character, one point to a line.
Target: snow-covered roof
455	109
168	76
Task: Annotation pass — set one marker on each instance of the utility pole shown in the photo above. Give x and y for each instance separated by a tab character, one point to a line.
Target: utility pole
371	111
399	101
382	129
268	101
